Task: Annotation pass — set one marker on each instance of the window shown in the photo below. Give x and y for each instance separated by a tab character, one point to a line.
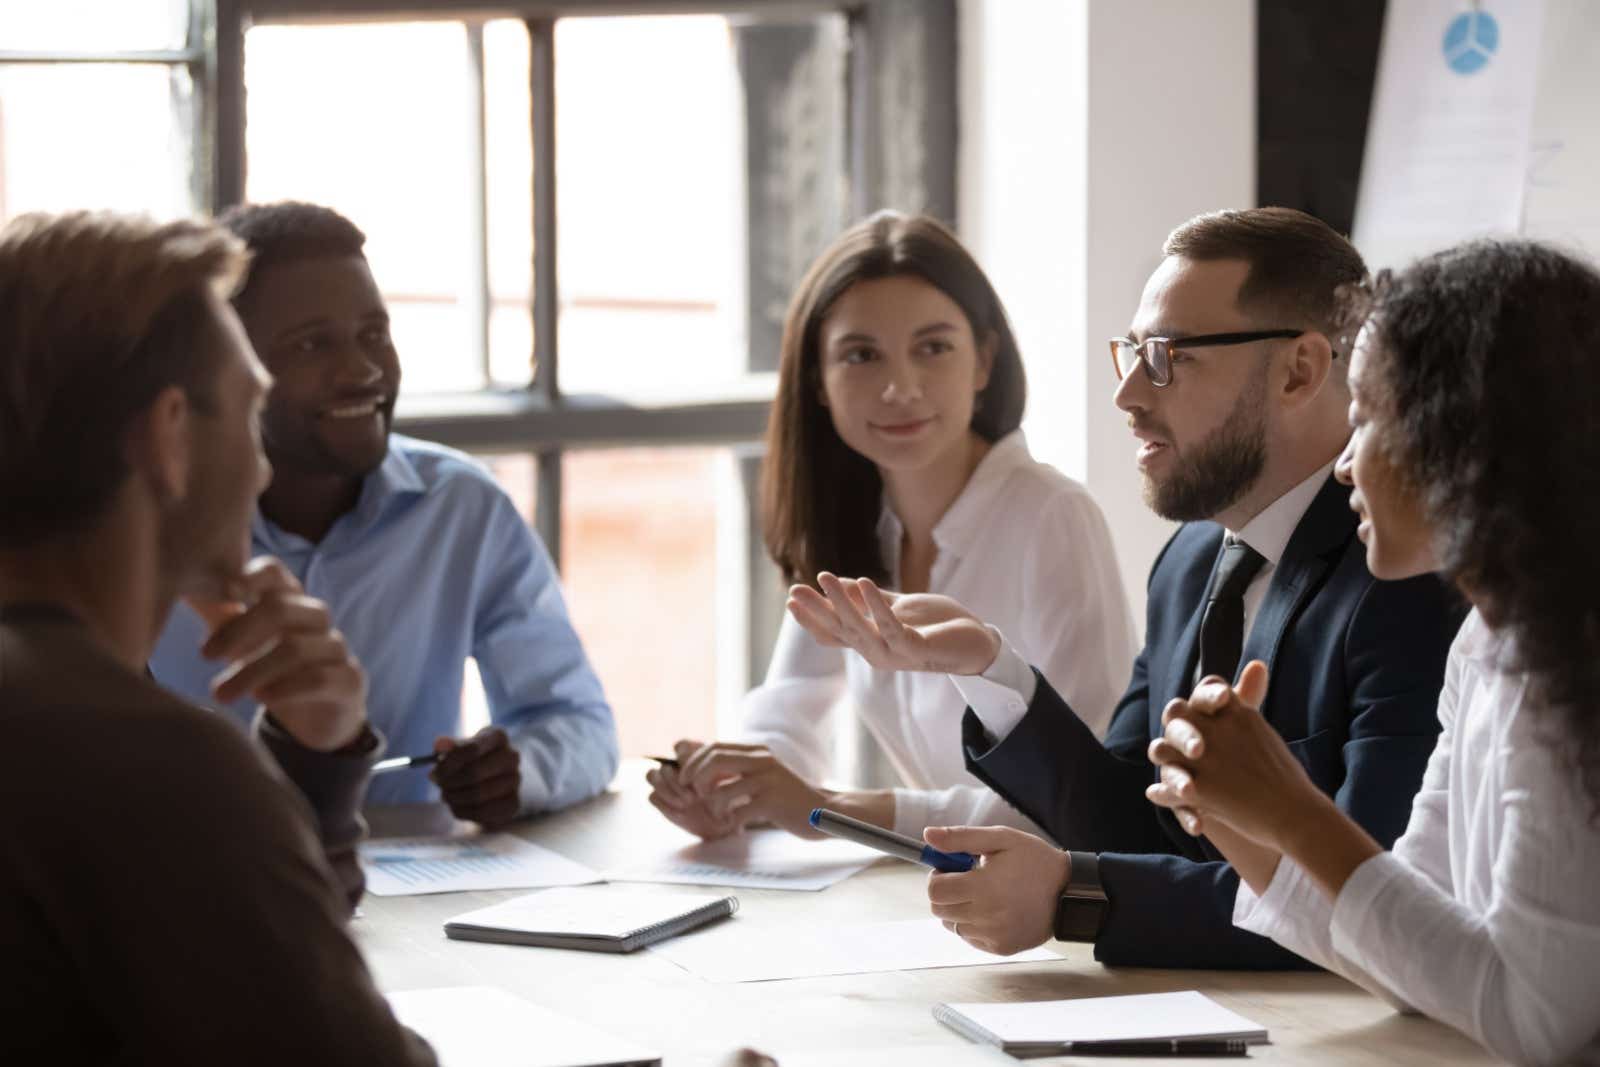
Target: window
657	550
649	150
102	106
587	227
651	205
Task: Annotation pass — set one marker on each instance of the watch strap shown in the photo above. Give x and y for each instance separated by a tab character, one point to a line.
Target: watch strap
1084	876
1082	908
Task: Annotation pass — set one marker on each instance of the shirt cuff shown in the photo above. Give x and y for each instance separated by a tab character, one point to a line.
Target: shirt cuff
333	785
1266	914
912	812
1357	903
533	792
1000	695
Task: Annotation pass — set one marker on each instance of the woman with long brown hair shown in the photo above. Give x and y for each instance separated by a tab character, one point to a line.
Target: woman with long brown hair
1475	452
894	452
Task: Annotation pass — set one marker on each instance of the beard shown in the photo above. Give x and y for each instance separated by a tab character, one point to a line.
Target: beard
1221	468
297	444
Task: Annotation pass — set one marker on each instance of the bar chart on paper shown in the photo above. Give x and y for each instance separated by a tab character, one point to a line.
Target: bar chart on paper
399	866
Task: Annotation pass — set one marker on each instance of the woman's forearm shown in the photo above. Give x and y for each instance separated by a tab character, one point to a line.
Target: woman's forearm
869	805
1327	844
1255	863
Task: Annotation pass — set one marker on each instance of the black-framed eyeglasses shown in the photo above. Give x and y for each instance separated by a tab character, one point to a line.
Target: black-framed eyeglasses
1156	352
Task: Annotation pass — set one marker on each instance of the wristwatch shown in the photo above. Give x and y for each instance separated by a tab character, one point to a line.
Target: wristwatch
1083	904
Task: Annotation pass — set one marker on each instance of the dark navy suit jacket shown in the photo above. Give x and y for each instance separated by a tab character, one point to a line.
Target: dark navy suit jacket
1356	667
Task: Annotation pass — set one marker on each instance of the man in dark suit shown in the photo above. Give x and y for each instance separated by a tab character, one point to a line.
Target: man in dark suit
1233	379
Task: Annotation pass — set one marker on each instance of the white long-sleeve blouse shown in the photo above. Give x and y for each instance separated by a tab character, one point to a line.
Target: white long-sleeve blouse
1486	915
1026	549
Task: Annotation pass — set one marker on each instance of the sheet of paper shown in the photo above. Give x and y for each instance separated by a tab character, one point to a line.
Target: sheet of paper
746	952
947	1055
1150	1016
480	1026
1565	165
1452	118
403	866
757	859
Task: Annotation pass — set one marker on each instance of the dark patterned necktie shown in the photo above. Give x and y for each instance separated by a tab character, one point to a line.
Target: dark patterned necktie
1222	626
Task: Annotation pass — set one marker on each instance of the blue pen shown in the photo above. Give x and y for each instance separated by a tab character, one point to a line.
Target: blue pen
897	845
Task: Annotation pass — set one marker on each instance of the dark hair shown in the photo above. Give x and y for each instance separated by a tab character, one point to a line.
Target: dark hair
291	230
1485	380
820	499
99	312
1297	261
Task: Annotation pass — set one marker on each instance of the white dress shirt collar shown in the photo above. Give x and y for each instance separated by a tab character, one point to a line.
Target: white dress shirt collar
963	523
1269	532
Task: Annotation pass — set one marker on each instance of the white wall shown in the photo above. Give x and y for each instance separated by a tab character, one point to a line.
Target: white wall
1089	129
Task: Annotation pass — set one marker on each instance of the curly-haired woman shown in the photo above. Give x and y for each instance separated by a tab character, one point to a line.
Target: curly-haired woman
1476	453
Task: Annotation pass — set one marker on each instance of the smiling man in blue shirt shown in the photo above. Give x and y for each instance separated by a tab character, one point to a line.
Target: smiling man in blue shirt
422	558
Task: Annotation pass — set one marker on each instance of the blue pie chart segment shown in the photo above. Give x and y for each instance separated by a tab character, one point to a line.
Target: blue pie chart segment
1470	40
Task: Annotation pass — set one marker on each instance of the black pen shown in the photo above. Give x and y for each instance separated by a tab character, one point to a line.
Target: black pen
1171	1047
666	761
400	763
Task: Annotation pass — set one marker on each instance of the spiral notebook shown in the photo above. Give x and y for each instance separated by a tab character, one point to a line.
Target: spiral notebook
1051	1027
593	918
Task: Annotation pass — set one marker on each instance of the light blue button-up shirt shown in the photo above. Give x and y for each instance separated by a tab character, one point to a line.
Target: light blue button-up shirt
433	565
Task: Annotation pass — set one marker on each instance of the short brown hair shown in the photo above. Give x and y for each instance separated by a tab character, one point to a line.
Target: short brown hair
98	313
1297	263
820	499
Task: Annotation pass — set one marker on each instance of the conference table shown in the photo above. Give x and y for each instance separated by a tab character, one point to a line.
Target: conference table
882	1019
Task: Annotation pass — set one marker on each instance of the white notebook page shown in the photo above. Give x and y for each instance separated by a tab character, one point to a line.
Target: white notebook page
480	1026
1144	1016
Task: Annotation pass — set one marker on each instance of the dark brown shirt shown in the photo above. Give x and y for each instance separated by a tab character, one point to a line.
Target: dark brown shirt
163	894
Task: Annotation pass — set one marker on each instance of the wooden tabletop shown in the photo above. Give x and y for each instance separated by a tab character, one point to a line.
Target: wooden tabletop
881	1019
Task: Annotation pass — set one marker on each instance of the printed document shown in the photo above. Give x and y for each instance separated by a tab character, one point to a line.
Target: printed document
1447	148
403	866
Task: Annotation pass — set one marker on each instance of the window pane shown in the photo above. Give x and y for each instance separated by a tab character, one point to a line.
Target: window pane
650	577
370	119
654	547
508	162
112	136
653	199
517	474
93	25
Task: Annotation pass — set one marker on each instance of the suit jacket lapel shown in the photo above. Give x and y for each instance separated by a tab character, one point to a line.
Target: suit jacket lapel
1180	668
1176	682
1312	551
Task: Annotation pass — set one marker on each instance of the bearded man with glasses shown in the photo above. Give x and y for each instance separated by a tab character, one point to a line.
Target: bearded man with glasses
1233	380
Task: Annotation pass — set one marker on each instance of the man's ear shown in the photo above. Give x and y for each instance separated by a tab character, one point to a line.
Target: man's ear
986	354
1309	364
159	445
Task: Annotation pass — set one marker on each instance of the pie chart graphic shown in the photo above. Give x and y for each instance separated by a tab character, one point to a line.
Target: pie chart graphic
1470	40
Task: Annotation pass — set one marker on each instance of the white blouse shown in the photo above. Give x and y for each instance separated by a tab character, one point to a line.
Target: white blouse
1023	547
1486	915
